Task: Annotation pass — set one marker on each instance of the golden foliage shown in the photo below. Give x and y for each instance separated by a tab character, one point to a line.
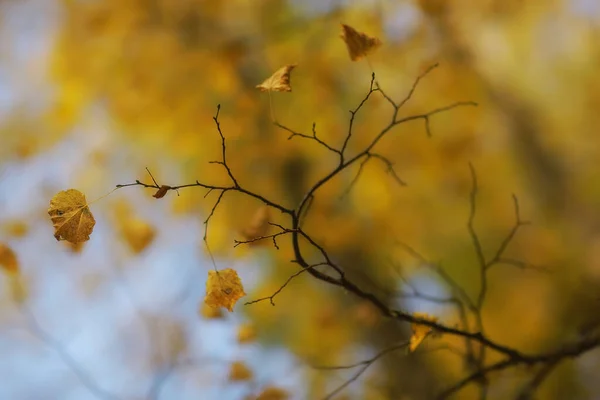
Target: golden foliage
239	371
420	332
279	81
71	216
223	288
359	44
8	259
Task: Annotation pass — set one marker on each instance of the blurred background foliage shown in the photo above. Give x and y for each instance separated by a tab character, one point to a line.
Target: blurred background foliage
120	85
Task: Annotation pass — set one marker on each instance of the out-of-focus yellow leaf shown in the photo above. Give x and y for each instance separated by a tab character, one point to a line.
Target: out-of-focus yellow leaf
258	227
209	312
359	44
279	81
273	393
15	228
8	260
246	333
223	288
239	371
17	288
72	219
420	332
138	234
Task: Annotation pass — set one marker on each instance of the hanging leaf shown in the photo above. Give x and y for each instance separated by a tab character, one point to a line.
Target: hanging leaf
420	332
160	193
223	288
239	371
72	219
359	44
279	81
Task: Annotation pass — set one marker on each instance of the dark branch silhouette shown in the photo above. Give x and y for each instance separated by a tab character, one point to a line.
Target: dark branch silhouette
477	343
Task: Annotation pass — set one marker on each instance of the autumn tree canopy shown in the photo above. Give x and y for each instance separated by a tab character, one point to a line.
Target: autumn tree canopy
364	200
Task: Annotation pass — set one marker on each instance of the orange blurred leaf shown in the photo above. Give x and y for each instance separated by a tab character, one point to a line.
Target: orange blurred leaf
359	44
273	393
258	226
8	259
279	81
72	219
138	234
223	288
239	371
246	333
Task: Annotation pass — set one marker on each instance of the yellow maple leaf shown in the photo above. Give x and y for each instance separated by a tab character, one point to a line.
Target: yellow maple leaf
359	44
239	371
279	81
223	288
420	332
72	219
8	259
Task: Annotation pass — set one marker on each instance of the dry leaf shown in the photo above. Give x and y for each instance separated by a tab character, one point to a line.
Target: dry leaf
209	312
160	193
223	288
71	216
8	259
246	333
359	44
239	371
273	393
279	81
258	227
420	332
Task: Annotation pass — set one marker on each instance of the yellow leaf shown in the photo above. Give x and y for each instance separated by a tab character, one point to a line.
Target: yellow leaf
273	393
420	332
223	288
239	371
15	228
71	216
258	227
138	234
359	44
279	81
246	333
209	312
8	259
